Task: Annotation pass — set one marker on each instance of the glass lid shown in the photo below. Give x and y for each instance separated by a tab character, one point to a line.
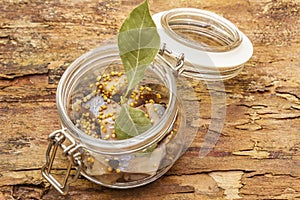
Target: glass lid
213	47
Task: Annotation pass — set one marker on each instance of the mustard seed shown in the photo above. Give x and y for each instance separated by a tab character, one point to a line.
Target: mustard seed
98	78
109	169
148	89
90	159
151	101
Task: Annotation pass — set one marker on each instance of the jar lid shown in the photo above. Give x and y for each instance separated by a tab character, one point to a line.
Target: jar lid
213	47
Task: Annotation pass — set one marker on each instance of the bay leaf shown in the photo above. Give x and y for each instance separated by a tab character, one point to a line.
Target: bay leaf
131	122
151	148
138	43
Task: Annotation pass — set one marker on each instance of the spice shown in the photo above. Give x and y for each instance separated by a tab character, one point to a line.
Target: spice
98	114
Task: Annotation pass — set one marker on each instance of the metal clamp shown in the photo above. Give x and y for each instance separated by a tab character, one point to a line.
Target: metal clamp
57	139
179	60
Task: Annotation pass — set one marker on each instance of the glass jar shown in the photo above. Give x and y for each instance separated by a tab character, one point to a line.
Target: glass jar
202	43
115	163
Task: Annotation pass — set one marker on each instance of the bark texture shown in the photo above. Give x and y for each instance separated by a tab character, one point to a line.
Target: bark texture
258	153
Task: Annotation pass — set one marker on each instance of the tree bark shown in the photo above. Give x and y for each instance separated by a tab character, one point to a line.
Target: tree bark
258	153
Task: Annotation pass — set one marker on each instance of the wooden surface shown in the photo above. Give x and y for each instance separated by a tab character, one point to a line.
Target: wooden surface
258	153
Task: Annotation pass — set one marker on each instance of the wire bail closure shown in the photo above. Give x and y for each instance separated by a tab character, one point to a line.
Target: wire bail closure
179	59
57	139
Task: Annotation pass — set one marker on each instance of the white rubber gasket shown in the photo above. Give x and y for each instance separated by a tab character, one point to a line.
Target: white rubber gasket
206	59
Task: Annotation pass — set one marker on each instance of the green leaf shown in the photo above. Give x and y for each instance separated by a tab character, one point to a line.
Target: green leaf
131	122
151	148
138	43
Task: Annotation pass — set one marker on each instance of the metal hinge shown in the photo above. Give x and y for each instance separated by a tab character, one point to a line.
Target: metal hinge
179	59
57	139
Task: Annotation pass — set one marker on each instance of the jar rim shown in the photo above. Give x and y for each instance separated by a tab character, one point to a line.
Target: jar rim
113	147
204	22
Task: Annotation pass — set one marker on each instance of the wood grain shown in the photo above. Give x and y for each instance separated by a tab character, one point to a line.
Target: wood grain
258	153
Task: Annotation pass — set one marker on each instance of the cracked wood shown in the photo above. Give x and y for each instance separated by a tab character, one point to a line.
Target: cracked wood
258	153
